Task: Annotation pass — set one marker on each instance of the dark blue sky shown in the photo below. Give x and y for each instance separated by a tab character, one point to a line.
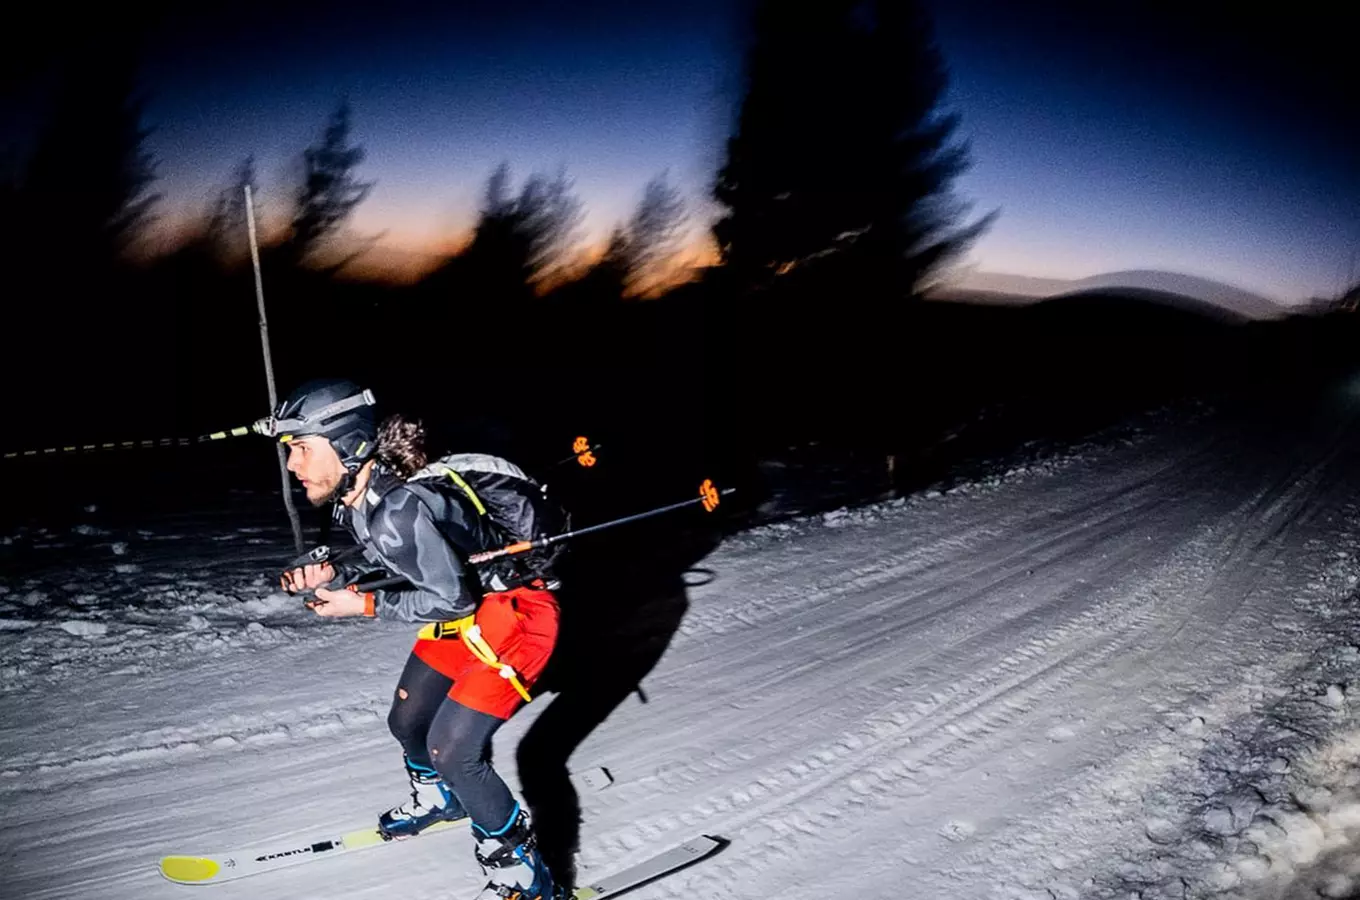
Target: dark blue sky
1133	137
1151	136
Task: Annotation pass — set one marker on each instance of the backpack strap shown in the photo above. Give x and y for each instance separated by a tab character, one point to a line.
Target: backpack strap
467	489
441	467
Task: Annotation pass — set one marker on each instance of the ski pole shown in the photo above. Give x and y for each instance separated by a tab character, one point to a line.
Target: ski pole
709	497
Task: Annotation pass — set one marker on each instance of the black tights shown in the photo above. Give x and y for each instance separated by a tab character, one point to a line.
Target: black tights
439	733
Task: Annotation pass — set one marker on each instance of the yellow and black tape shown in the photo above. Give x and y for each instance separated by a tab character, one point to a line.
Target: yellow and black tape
127	445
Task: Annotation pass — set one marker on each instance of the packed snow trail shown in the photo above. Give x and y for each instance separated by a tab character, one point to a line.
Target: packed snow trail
1059	682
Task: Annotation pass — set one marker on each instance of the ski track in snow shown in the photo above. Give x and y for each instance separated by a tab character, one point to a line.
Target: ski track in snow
1122	672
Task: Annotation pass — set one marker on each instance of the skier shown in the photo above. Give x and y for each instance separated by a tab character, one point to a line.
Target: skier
455	691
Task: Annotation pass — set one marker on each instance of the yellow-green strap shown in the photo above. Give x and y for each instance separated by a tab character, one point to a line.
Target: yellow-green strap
470	632
472	495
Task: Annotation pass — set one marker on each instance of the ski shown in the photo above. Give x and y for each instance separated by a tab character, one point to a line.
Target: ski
232	865
217	868
664	863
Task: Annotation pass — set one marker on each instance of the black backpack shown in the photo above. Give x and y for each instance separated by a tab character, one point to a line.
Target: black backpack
518	508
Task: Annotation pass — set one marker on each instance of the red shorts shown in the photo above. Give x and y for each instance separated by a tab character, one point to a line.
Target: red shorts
521	627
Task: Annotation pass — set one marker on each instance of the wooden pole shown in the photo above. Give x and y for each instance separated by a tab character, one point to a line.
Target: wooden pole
269	374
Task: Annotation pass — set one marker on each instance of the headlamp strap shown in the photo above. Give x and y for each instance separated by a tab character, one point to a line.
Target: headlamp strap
271	426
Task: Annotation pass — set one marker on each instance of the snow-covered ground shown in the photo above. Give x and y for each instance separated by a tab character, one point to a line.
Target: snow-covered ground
1126	670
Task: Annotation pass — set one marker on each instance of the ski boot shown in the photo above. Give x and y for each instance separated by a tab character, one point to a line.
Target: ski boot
510	858
431	801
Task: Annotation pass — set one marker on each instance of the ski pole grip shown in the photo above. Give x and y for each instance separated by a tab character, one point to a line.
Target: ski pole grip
337	583
312	557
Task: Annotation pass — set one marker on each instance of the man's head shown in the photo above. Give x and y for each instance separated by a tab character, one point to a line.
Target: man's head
330	427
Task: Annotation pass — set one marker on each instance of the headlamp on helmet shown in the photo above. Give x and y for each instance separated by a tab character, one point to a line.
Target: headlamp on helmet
301	425
337	410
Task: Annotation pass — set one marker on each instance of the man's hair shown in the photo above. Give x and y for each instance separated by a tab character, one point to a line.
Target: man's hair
401	445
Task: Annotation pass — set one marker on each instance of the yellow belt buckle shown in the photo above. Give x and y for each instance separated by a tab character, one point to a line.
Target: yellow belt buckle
435	631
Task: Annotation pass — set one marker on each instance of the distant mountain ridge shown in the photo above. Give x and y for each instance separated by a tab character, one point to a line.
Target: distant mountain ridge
1199	294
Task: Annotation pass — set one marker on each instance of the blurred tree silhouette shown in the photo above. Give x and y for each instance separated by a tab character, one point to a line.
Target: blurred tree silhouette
608	277
546	217
652	239
838	209
84	191
80	201
637	258
227	228
521	243
839	150
329	192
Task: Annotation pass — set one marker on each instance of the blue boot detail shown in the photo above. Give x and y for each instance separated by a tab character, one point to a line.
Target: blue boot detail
431	801
510	858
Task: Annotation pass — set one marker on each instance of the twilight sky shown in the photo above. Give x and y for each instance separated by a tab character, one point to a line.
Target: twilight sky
1137	137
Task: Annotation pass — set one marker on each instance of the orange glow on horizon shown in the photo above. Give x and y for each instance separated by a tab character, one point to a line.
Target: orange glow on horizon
405	258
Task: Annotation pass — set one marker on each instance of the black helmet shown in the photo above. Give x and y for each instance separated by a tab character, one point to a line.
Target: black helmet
336	409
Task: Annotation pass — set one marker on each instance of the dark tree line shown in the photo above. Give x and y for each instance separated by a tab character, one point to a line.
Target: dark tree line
837	216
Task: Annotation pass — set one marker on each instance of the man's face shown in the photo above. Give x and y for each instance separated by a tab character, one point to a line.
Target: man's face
317	466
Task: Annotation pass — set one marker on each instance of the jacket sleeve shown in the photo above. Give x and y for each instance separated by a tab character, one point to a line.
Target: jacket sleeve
403	532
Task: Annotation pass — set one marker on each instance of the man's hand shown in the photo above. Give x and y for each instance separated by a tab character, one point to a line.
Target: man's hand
307	577
338	603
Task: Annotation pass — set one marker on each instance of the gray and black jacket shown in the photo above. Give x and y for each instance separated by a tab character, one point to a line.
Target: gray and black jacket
424	531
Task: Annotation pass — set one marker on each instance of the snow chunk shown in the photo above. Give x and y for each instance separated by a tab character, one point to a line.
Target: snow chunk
83	628
1234	813
956	830
1161	831
1314	797
1303	838
1253	868
1223	877
277	602
1194	727
196	623
119	548
1338	886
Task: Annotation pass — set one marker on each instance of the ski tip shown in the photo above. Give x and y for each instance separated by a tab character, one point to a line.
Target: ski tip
705	845
696	849
719	842
189	869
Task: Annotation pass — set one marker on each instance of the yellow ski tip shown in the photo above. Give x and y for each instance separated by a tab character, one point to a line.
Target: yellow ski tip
189	868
